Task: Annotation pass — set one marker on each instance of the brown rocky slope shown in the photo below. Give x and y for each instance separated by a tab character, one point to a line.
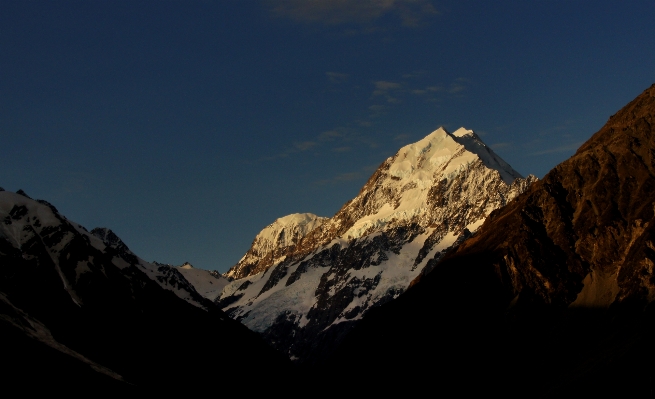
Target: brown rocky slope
554	294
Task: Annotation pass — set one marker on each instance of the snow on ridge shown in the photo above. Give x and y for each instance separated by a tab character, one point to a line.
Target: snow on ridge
302	223
463	132
474	144
283	233
427	198
440	147
419	166
205	283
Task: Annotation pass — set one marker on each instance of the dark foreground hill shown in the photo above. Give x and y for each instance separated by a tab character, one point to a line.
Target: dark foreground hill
552	297
77	315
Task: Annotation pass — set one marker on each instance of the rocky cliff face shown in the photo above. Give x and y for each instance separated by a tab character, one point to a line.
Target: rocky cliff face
274	242
419	203
553	296
583	236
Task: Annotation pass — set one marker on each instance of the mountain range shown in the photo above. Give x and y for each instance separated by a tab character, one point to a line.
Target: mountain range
307	280
561	302
78	308
448	271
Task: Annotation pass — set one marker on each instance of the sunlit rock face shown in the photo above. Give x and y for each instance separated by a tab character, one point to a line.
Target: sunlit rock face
306	293
274	242
554	296
584	235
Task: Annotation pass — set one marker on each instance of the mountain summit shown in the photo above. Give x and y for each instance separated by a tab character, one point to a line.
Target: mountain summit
554	296
273	242
419	203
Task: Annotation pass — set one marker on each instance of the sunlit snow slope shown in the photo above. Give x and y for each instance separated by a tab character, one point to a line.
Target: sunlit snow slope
273	242
206	283
428	197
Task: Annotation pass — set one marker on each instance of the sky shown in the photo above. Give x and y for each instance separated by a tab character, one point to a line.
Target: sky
188	126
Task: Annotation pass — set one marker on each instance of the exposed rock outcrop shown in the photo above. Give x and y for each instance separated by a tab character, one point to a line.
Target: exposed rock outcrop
274	242
553	296
418	204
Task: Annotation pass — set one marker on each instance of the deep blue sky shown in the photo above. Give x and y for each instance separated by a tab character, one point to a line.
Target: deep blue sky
188	126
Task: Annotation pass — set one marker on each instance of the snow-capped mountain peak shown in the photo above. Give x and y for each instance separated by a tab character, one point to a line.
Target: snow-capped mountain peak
474	144
420	202
206	283
464	132
273	241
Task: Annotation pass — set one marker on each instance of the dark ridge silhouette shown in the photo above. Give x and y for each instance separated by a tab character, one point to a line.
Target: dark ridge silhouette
71	319
552	297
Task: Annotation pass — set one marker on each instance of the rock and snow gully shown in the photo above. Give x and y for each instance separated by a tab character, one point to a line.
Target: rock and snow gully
306	280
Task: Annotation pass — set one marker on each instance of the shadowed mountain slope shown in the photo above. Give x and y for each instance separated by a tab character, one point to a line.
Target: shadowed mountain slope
326	274
553	296
76	312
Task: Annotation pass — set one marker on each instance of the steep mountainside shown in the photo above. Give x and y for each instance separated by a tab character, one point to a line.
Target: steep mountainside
208	284
168	277
185	281
420	202
274	242
74	310
555	290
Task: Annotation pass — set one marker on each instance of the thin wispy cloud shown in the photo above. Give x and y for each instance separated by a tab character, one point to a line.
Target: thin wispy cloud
386	89
396	92
410	13
376	110
386	96
383	86
361	174
499	146
331	135
304	145
341	139
458	86
336	77
426	90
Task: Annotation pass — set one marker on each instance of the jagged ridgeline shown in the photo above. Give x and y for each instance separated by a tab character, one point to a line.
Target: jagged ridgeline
306	279
560	304
78	308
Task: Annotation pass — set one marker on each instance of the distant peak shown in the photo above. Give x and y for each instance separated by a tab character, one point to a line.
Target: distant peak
186	265
109	238
23	193
440	132
464	132
437	148
272	242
